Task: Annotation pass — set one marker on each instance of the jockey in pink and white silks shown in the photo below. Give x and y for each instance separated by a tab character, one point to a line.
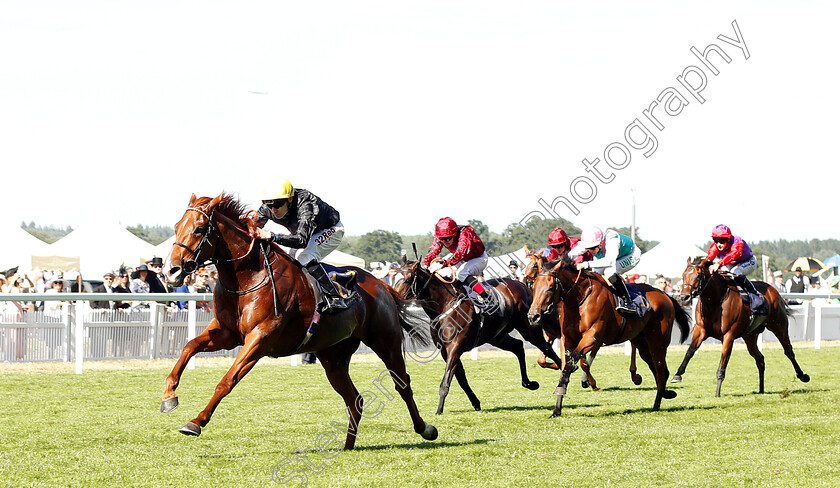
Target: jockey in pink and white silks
614	254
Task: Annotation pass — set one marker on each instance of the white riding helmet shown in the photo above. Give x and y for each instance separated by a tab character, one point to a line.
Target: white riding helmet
277	188
591	237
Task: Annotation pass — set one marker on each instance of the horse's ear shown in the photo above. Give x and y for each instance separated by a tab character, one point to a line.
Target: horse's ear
214	202
403	260
527	250
193	198
689	260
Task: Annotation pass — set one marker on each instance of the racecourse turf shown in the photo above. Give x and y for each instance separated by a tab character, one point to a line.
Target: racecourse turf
104	428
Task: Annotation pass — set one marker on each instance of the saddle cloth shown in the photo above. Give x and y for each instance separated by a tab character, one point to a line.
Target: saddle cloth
494	305
346	279
639	298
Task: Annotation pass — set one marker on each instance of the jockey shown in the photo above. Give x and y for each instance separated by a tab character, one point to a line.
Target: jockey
731	253
559	244
468	257
614	254
315	231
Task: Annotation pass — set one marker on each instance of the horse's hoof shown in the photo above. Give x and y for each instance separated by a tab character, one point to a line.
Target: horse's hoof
430	433
169	404
669	394
477	408
804	378
637	380
676	379
560	390
584	384
190	429
595	388
531	385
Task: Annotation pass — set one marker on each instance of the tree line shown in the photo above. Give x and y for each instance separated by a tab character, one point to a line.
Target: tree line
386	246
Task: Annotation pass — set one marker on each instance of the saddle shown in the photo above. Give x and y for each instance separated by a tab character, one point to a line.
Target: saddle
344	280
759	309
639	298
493	306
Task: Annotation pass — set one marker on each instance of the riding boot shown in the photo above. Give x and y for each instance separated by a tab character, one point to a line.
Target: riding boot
756	299
333	299
623	302
473	284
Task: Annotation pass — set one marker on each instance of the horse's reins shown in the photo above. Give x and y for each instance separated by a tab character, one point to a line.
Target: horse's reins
560	285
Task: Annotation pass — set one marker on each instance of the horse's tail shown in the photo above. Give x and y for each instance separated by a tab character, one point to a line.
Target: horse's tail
683	319
785	307
415	325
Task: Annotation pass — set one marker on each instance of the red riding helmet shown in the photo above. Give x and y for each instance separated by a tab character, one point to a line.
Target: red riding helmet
722	231
446	227
557	237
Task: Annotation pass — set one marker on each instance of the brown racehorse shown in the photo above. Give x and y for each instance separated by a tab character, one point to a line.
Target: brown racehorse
257	281
534	266
721	314
591	320
456	328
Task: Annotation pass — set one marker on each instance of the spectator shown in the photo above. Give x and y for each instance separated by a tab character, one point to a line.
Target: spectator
394	276
798	283
140	284
201	286
156	279
779	282
662	284
186	287
122	285
515	272
54	307
107	286
20	283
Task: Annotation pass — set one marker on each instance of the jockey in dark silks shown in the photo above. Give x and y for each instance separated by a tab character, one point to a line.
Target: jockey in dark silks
314	231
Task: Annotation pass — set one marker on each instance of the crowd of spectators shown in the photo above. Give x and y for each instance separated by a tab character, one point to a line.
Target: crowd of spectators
145	278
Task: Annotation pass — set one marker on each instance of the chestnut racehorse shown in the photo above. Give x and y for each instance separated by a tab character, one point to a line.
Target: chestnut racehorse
591	320
263	301
721	314
533	267
456	328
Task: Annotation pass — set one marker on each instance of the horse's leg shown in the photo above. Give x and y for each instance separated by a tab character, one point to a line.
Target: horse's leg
637	378
541	361
453	359
726	352
247	359
560	391
587	379
336	362
213	338
513	345
698	335
383	344
751	341
652	350
780	330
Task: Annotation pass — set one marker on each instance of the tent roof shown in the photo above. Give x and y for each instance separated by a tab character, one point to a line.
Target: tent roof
338	258
19	246
103	247
667	258
497	266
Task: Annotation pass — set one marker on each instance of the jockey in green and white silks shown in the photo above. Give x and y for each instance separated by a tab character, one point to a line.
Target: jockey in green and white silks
614	254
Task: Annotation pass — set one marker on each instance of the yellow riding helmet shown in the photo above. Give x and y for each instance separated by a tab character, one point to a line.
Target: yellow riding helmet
277	188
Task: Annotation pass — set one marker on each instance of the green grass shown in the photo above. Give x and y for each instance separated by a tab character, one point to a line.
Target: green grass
103	428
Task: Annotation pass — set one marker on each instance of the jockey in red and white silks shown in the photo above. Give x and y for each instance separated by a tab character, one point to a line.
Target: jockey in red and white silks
468	258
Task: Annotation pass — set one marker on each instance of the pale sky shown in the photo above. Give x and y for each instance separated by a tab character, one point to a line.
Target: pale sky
399	113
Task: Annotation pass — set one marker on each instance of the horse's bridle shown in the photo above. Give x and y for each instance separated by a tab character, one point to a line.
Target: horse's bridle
564	293
698	290
191	265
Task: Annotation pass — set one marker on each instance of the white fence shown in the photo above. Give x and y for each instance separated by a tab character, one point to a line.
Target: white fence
154	332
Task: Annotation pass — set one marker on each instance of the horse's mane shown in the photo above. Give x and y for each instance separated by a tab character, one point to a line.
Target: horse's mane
564	262
232	208
698	261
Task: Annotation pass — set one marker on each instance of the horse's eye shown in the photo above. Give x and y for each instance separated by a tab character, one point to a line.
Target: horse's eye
200	231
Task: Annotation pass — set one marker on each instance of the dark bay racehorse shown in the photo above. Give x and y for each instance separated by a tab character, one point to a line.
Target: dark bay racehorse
721	314
263	301
534	266
456	327
591	320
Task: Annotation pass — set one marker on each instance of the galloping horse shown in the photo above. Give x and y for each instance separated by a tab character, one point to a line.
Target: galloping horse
536	262
721	314
264	302
591	320
456	328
